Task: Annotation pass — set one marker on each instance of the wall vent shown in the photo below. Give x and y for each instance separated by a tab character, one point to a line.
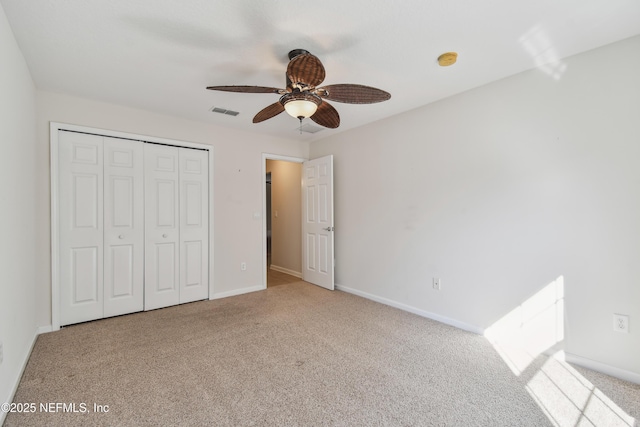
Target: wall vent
224	111
308	128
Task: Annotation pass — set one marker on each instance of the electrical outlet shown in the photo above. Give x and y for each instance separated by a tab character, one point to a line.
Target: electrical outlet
436	283
621	323
243	266
1	353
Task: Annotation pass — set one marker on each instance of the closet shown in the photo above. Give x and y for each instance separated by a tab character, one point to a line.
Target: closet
133	226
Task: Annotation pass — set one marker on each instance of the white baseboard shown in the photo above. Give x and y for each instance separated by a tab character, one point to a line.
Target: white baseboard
235	292
414	310
286	271
602	367
17	378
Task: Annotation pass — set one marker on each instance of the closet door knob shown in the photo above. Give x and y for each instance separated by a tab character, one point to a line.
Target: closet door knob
164	235
121	236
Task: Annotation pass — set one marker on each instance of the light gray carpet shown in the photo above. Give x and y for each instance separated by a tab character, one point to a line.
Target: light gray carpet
292	355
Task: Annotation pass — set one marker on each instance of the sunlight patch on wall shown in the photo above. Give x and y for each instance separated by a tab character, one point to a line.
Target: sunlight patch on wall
531	328
569	399
538	44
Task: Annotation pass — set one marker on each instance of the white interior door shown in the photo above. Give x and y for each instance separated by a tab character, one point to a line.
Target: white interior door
194	225
123	227
162	227
81	227
317	222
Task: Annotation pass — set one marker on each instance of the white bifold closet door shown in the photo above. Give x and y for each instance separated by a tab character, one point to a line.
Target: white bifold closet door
133	225
176	225
100	226
123	227
194	225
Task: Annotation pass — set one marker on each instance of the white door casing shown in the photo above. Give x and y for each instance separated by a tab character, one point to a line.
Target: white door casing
317	222
194	225
123	227
81	227
162	226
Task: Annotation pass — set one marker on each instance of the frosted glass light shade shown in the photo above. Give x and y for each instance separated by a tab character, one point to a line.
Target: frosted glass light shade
300	108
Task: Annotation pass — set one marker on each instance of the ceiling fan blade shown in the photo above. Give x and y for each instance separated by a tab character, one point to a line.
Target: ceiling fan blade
353	94
268	112
246	89
326	116
306	69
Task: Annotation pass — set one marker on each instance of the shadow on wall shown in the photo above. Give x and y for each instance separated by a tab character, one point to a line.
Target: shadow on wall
565	396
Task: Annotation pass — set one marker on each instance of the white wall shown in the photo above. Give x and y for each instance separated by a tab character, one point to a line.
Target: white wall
238	179
499	191
22	247
286	228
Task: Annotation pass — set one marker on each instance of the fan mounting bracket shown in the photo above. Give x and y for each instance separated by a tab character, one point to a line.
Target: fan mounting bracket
297	52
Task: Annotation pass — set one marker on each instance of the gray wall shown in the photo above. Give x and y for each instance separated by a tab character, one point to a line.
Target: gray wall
25	205
500	192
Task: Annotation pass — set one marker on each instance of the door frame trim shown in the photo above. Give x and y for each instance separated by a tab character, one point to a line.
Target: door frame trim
54	128
265	157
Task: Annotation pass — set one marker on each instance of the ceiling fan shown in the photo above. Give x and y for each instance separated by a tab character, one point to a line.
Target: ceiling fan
303	98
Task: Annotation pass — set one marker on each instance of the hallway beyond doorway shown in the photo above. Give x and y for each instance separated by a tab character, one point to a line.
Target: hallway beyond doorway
275	278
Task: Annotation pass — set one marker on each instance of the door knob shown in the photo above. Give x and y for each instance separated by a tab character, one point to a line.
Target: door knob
121	236
164	235
328	229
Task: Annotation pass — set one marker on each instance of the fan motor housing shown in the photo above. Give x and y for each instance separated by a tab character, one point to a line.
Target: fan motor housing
297	52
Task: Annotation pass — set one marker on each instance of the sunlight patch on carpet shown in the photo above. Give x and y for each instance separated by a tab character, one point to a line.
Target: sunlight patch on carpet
565	396
569	399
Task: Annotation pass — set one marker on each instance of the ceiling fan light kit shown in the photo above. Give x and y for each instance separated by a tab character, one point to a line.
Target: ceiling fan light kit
303	99
301	105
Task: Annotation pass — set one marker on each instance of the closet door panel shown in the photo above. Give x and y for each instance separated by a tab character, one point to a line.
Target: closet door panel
162	227
166	268
124	226
194	225
80	215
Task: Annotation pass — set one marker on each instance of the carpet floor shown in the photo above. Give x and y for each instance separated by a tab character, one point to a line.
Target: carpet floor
299	355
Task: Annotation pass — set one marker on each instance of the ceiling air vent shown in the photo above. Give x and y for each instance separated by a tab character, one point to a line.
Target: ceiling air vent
224	111
309	128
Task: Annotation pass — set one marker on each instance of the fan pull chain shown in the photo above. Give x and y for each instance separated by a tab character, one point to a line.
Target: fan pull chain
300	118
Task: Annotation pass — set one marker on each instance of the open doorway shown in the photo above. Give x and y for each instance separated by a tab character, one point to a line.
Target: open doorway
282	209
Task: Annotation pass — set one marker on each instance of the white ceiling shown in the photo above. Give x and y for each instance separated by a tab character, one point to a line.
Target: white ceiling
159	55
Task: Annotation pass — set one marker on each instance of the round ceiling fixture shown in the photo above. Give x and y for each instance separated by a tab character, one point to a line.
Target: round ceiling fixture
300	104
448	58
